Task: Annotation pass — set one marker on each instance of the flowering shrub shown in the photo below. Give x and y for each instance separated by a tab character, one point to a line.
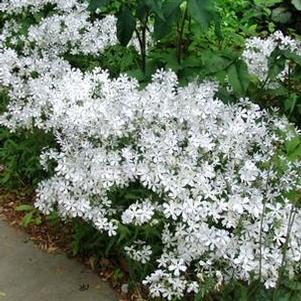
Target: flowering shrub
215	187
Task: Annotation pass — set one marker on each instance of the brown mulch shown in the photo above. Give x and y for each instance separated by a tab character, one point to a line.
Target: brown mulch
49	236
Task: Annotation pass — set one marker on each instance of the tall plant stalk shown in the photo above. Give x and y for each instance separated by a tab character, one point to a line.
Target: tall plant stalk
180	30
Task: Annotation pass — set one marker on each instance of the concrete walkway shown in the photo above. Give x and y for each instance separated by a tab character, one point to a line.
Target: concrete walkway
28	274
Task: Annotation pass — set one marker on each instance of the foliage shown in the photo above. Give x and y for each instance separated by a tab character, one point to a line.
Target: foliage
20	153
32	215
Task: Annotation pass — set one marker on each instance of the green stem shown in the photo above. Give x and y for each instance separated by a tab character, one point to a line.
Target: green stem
180	36
261	226
260	240
291	220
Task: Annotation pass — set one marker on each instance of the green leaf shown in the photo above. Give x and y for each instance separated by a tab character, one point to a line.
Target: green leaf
293	57
24	207
124	233
126	25
200	12
276	63
281	15
198	297
95	4
292	145
38	220
239	77
27	219
218	27
294	285
156	7
215	62
267	3
290	103
142	10
171	11
111	243
297	4
243	293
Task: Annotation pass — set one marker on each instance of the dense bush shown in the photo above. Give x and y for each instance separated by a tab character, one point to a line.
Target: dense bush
188	173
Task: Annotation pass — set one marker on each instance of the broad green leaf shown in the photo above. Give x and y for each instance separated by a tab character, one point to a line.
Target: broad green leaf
215	63
200	12
297	4
24	207
126	25
171	11
142	10
281	15
156	7
239	77
95	4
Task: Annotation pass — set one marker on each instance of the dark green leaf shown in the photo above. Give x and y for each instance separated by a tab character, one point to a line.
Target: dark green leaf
171	11
124	233
200	12
215	62
281	15
156	7
142	10
126	25
239	77
297	4
276	63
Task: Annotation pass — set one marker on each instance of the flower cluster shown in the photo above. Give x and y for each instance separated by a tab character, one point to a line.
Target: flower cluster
68	29
139	251
17	6
258	50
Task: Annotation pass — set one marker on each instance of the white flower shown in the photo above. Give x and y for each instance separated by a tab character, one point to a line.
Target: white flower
249	172
177	266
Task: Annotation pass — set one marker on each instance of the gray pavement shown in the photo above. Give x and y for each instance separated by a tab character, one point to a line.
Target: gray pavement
28	274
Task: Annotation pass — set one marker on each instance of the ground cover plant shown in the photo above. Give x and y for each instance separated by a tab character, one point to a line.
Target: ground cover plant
167	135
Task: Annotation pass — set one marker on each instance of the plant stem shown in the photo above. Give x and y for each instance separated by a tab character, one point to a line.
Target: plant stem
142	42
291	220
260	240
261	227
180	36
